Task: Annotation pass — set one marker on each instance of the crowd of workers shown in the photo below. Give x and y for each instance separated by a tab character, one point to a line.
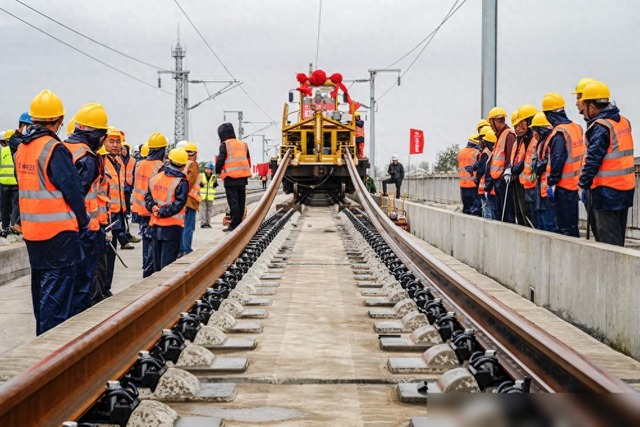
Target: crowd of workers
537	173
72	201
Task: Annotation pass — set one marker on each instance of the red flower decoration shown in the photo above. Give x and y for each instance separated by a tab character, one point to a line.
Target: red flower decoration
318	78
302	78
336	78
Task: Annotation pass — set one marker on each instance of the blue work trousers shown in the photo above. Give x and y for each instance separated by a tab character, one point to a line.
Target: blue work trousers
51	295
187	233
487	209
534	214
504	192
164	252
547	220
566	210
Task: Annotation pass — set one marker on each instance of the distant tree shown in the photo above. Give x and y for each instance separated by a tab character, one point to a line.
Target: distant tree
424	165
447	159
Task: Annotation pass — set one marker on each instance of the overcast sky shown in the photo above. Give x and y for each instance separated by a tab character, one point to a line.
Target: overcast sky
543	46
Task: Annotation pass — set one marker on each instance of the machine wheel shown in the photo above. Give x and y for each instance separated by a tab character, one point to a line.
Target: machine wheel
343	191
296	195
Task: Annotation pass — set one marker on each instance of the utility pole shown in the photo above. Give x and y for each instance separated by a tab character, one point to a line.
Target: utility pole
489	55
263	142
240	117
372	110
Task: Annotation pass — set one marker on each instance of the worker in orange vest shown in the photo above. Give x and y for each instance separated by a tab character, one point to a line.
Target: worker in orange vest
166	199
483	174
192	170
467	157
129	163
360	135
500	170
88	134
608	170
234	167
52	230
566	151
524	136
545	205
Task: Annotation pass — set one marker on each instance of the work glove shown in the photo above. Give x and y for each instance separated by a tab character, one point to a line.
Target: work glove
507	175
469	169
550	193
584	197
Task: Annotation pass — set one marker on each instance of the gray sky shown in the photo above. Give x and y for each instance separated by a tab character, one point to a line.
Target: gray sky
543	46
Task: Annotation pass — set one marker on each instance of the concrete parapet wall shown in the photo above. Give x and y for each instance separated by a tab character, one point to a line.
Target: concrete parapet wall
590	284
14	261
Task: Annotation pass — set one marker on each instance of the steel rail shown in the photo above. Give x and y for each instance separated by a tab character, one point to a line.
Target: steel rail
526	348
65	384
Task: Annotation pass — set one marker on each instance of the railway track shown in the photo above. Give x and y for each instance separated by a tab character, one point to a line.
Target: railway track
496	349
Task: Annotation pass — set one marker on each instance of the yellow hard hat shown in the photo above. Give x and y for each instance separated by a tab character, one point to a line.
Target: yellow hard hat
526	111
157	140
497	112
596	91
482	123
126	144
8	134
71	126
552	101
190	146
474	137
112	131
490	136
102	151
582	84
92	115
514	118
485	130
46	106
540	120
144	150
179	156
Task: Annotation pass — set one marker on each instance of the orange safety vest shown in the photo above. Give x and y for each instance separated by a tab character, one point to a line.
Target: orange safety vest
572	133
116	184
489	153
129	169
359	131
104	202
78	151
499	159
527	173
163	191
43	211
145	170
517	153
617	169
194	191
467	157
542	153
236	165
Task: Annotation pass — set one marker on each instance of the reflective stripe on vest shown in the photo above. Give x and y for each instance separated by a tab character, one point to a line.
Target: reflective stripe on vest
499	159
572	133
359	132
128	169
194	190
41	220
617	169
207	191
7	169
116	184
163	191
236	165
467	157
482	178
79	150
145	171
526	178
542	154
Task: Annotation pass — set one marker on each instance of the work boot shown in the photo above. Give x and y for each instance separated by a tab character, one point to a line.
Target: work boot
4	233
134	239
227	229
127	246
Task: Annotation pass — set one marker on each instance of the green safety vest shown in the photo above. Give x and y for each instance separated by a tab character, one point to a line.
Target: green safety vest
7	169
207	192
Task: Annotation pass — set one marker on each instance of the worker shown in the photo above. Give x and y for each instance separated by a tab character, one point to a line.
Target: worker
234	167
607	181
359	136
524	136
565	153
468	188
90	130
483	174
208	184
479	168
578	93
136	152
516	156
192	170
482	123
500	172
263	179
52	230
9	208
523	169
544	200
129	163
166	199
146	169
396	175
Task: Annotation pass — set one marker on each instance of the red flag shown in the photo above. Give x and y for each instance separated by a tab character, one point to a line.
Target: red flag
416	141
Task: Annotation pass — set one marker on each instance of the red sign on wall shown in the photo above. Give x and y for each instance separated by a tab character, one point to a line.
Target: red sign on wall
416	141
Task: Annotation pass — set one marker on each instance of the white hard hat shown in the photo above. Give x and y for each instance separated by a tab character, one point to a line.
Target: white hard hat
137	148
394	157
181	144
2	136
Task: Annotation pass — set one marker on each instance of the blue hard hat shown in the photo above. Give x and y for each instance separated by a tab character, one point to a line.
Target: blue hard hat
25	118
209	165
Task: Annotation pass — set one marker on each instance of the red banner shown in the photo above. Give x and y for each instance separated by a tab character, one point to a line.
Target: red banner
416	141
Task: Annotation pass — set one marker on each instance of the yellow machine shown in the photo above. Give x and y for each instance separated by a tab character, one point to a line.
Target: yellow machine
398	216
321	133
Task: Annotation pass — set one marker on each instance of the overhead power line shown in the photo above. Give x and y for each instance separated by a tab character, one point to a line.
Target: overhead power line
84	53
220	60
89	38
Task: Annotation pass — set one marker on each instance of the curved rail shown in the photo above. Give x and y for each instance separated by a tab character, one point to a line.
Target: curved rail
527	349
66	383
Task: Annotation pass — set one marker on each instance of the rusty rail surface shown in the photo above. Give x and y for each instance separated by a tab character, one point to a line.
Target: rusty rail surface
525	349
66	383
